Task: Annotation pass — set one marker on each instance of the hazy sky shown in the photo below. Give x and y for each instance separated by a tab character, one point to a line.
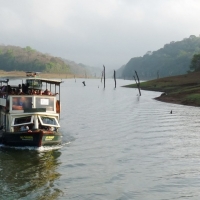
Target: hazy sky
97	32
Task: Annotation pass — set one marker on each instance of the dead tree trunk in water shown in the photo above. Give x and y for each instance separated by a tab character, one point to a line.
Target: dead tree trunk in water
115	78
104	73
137	82
101	76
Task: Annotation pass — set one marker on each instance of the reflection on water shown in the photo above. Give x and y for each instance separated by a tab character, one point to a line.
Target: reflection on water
22	173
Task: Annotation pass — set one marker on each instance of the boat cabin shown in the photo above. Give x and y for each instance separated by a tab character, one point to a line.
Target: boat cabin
32	105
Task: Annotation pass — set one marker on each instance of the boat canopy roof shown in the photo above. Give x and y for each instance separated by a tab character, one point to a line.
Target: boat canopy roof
43	80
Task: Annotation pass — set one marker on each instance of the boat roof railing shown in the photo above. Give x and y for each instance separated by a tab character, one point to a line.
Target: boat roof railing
32	75
43	80
33	72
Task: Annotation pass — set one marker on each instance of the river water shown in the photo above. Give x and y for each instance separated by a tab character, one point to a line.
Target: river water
116	146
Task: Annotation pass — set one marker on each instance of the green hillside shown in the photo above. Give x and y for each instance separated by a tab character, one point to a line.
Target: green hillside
173	59
28	59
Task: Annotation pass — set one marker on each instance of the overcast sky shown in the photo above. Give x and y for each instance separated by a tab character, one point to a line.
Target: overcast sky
97	32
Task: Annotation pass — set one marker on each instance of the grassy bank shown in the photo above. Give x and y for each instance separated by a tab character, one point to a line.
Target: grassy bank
184	89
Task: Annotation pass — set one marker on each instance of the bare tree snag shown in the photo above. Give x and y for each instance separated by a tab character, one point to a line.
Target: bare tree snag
104	73
137	82
101	76
115	78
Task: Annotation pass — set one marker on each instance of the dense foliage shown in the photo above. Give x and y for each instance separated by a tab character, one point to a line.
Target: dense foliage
195	64
28	59
172	59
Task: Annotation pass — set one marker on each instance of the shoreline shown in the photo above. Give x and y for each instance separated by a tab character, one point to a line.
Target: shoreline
12	74
172	100
182	89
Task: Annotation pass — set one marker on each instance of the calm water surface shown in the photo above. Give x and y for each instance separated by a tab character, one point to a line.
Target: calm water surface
117	146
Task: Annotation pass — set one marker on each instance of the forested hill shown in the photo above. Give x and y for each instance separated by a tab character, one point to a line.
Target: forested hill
173	59
28	59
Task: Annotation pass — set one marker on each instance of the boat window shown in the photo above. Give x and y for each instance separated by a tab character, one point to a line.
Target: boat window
34	83
21	103
22	120
45	102
48	121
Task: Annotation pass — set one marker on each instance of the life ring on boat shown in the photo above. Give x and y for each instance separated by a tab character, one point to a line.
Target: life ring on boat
58	106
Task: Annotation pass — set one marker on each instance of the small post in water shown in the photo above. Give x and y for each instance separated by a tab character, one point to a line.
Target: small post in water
101	76
115	78
104	74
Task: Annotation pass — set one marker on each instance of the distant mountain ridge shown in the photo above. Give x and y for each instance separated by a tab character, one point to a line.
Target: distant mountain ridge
173	59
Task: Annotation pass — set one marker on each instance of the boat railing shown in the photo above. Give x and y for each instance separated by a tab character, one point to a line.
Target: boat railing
33	97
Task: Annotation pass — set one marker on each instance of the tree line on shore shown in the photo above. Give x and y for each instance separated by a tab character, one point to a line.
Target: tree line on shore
175	58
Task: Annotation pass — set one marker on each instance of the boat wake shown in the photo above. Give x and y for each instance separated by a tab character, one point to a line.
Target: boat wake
40	149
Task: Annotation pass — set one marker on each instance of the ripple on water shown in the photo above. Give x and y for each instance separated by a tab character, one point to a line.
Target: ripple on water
116	146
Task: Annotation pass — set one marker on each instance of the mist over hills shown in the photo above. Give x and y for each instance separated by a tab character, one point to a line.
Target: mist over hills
173	59
83	69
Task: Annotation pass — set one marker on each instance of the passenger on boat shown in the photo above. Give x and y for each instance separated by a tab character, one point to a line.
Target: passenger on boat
24	88
3	89
47	92
40	92
9	89
19	87
20	92
32	92
13	92
23	128
29	91
51	128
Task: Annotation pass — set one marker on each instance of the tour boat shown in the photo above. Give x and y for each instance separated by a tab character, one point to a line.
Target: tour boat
30	112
